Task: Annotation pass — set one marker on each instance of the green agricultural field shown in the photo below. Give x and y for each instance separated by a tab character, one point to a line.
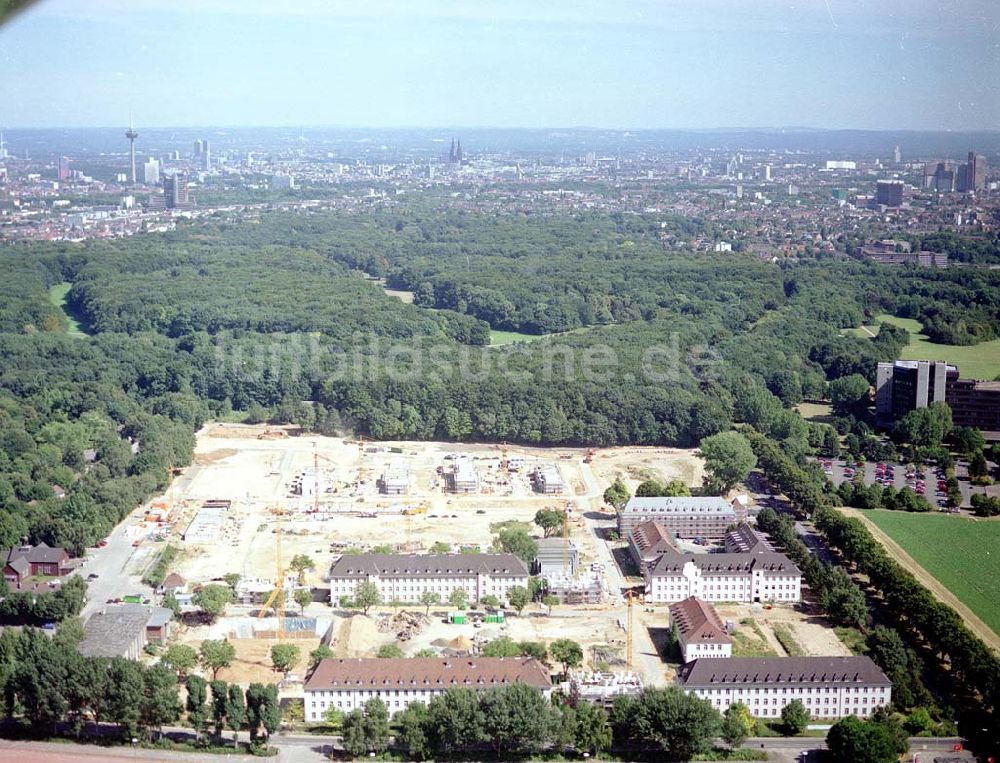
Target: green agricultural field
57	295
978	361
962	553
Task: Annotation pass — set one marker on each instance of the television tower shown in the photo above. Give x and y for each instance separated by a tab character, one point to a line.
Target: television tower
131	134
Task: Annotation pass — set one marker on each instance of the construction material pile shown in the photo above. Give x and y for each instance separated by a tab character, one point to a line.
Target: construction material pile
405	625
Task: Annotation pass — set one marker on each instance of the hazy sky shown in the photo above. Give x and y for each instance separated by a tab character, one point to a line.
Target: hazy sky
507	63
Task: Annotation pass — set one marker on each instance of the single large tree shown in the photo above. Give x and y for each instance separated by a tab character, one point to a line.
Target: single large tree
376	726
413	723
196	704
860	742
681	725
284	656
552	521
216	655
737	724
794	718
367	595
220	699
236	711
591	729
516	718
456	720
518	597
567	652
728	459
617	494
213	599
180	658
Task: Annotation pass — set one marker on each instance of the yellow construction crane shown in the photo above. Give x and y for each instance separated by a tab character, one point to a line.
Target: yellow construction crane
629	624
277	597
504	460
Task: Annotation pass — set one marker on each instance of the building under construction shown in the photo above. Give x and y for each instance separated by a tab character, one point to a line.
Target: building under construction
546	479
585	589
463	477
395	480
600	688
313	482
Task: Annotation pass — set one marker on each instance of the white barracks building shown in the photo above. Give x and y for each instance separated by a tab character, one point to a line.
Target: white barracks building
347	684
404	577
743	577
829	687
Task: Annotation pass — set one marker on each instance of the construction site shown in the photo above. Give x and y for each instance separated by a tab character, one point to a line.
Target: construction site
256	496
329	495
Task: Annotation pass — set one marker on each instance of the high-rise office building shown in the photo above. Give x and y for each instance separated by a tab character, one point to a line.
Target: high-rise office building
905	385
889	193
175	191
151	172
199	147
975	173
206	156
897	156
63	173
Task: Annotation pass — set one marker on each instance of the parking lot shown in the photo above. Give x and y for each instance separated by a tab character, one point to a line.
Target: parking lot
925	480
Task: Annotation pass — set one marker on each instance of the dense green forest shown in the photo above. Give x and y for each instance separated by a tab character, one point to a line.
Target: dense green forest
270	316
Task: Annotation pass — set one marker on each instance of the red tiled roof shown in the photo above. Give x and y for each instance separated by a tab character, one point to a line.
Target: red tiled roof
698	622
427	673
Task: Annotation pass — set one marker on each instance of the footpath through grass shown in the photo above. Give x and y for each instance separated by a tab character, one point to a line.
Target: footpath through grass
57	295
962	553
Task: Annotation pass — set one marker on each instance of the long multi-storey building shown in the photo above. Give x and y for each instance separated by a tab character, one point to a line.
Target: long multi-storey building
748	577
347	684
404	577
829	687
905	385
682	516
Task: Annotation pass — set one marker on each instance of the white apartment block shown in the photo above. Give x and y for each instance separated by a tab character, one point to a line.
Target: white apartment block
829	687
404	577
746	577
347	684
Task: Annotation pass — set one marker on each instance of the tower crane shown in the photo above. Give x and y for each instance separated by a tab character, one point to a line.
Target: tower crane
276	600
629	627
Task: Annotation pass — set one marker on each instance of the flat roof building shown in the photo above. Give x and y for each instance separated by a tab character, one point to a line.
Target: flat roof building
905	385
348	684
682	516
829	687
546	479
464	477
395	479
556	557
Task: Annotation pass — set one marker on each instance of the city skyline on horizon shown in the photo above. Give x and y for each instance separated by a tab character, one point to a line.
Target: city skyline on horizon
619	65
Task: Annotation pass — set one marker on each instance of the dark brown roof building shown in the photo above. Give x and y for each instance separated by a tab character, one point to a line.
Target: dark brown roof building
649	541
700	632
348	684
829	687
745	538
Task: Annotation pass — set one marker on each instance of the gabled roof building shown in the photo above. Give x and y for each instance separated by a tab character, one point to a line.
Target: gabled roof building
404	577
348	684
829	687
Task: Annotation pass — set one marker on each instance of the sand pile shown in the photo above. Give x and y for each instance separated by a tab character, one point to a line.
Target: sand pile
357	637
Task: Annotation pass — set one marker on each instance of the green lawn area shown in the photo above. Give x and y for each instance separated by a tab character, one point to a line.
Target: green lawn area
962	553
509	337
977	361
57	295
818	412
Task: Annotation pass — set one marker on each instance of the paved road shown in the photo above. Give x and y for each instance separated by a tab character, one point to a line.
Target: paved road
310	748
115	568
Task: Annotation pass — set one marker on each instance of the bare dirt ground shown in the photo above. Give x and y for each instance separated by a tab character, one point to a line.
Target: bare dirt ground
253	660
232	463
811	631
932	584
